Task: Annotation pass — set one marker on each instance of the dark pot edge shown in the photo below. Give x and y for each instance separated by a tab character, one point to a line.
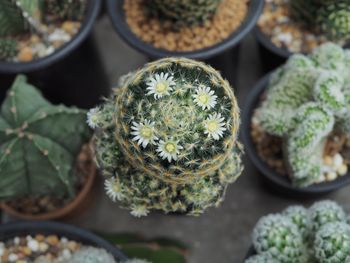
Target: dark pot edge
267	172
17	67
60	229
121	27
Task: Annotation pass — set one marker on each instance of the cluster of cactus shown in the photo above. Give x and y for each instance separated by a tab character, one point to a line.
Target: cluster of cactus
92	255
318	234
8	48
306	100
167	138
330	17
184	12
39	144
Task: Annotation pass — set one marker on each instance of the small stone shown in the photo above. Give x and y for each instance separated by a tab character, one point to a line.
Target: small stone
328	161
25	54
52	240
43	246
33	245
12	257
70	27
331	176
342	170
337	161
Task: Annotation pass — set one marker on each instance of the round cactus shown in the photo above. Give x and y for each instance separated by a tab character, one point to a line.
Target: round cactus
261	258
8	49
92	255
184	12
300	217
332	243
280	237
167	139
324	212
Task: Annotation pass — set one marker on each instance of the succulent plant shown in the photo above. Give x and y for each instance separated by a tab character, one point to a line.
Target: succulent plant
332	243
306	100
184	12
330	17
136	260
300	217
324	212
39	144
261	258
17	16
278	236
167	138
8	48
92	255
66	9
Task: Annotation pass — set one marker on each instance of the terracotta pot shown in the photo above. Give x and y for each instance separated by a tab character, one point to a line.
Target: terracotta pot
75	208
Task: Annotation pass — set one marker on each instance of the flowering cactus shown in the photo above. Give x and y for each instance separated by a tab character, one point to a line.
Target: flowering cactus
304	101
332	243
278	236
167	138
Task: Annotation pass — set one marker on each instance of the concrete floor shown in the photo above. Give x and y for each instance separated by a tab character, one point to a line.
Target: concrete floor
221	235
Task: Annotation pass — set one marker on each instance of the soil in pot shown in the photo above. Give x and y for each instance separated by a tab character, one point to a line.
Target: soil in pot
166	34
49	207
41	248
270	149
47	26
278	24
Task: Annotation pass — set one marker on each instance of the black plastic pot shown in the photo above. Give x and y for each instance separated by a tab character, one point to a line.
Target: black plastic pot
279	183
223	56
271	56
71	75
11	230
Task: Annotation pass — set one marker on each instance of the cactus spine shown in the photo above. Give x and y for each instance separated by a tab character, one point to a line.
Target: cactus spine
184	12
306	100
167	139
37	159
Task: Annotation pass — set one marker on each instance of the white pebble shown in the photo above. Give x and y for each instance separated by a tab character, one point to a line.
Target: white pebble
337	160
59	35
33	245
2	250
66	253
331	176
342	170
64	240
43	247
285	37
12	257
16	240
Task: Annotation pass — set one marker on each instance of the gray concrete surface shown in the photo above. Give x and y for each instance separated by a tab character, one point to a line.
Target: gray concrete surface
221	235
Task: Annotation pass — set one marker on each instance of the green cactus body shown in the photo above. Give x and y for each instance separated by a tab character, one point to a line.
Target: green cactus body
300	217
92	255
19	16
66	9
261	258
184	12
324	212
278	236
332	243
8	49
167	139
305	101
39	143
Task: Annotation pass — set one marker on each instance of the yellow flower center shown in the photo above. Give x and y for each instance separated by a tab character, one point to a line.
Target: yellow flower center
161	87
203	98
170	147
146	132
212	126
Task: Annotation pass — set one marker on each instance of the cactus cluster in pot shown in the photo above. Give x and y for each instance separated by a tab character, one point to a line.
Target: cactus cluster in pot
320	234
330	17
39	144
167	138
306	100
184	12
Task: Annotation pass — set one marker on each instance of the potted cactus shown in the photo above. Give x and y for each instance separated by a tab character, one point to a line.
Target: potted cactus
51	242
167	138
318	234
46	172
298	122
298	26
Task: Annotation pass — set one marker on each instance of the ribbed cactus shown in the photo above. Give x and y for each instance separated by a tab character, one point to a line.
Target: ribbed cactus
92	255
324	212
184	12
167	139
39	144
8	48
18	16
66	9
304	101
330	17
278	236
332	243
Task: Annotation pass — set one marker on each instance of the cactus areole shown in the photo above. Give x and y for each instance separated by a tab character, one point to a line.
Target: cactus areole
167	138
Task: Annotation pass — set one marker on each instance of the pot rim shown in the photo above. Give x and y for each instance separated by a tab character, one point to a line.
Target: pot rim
117	16
269	173
92	12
